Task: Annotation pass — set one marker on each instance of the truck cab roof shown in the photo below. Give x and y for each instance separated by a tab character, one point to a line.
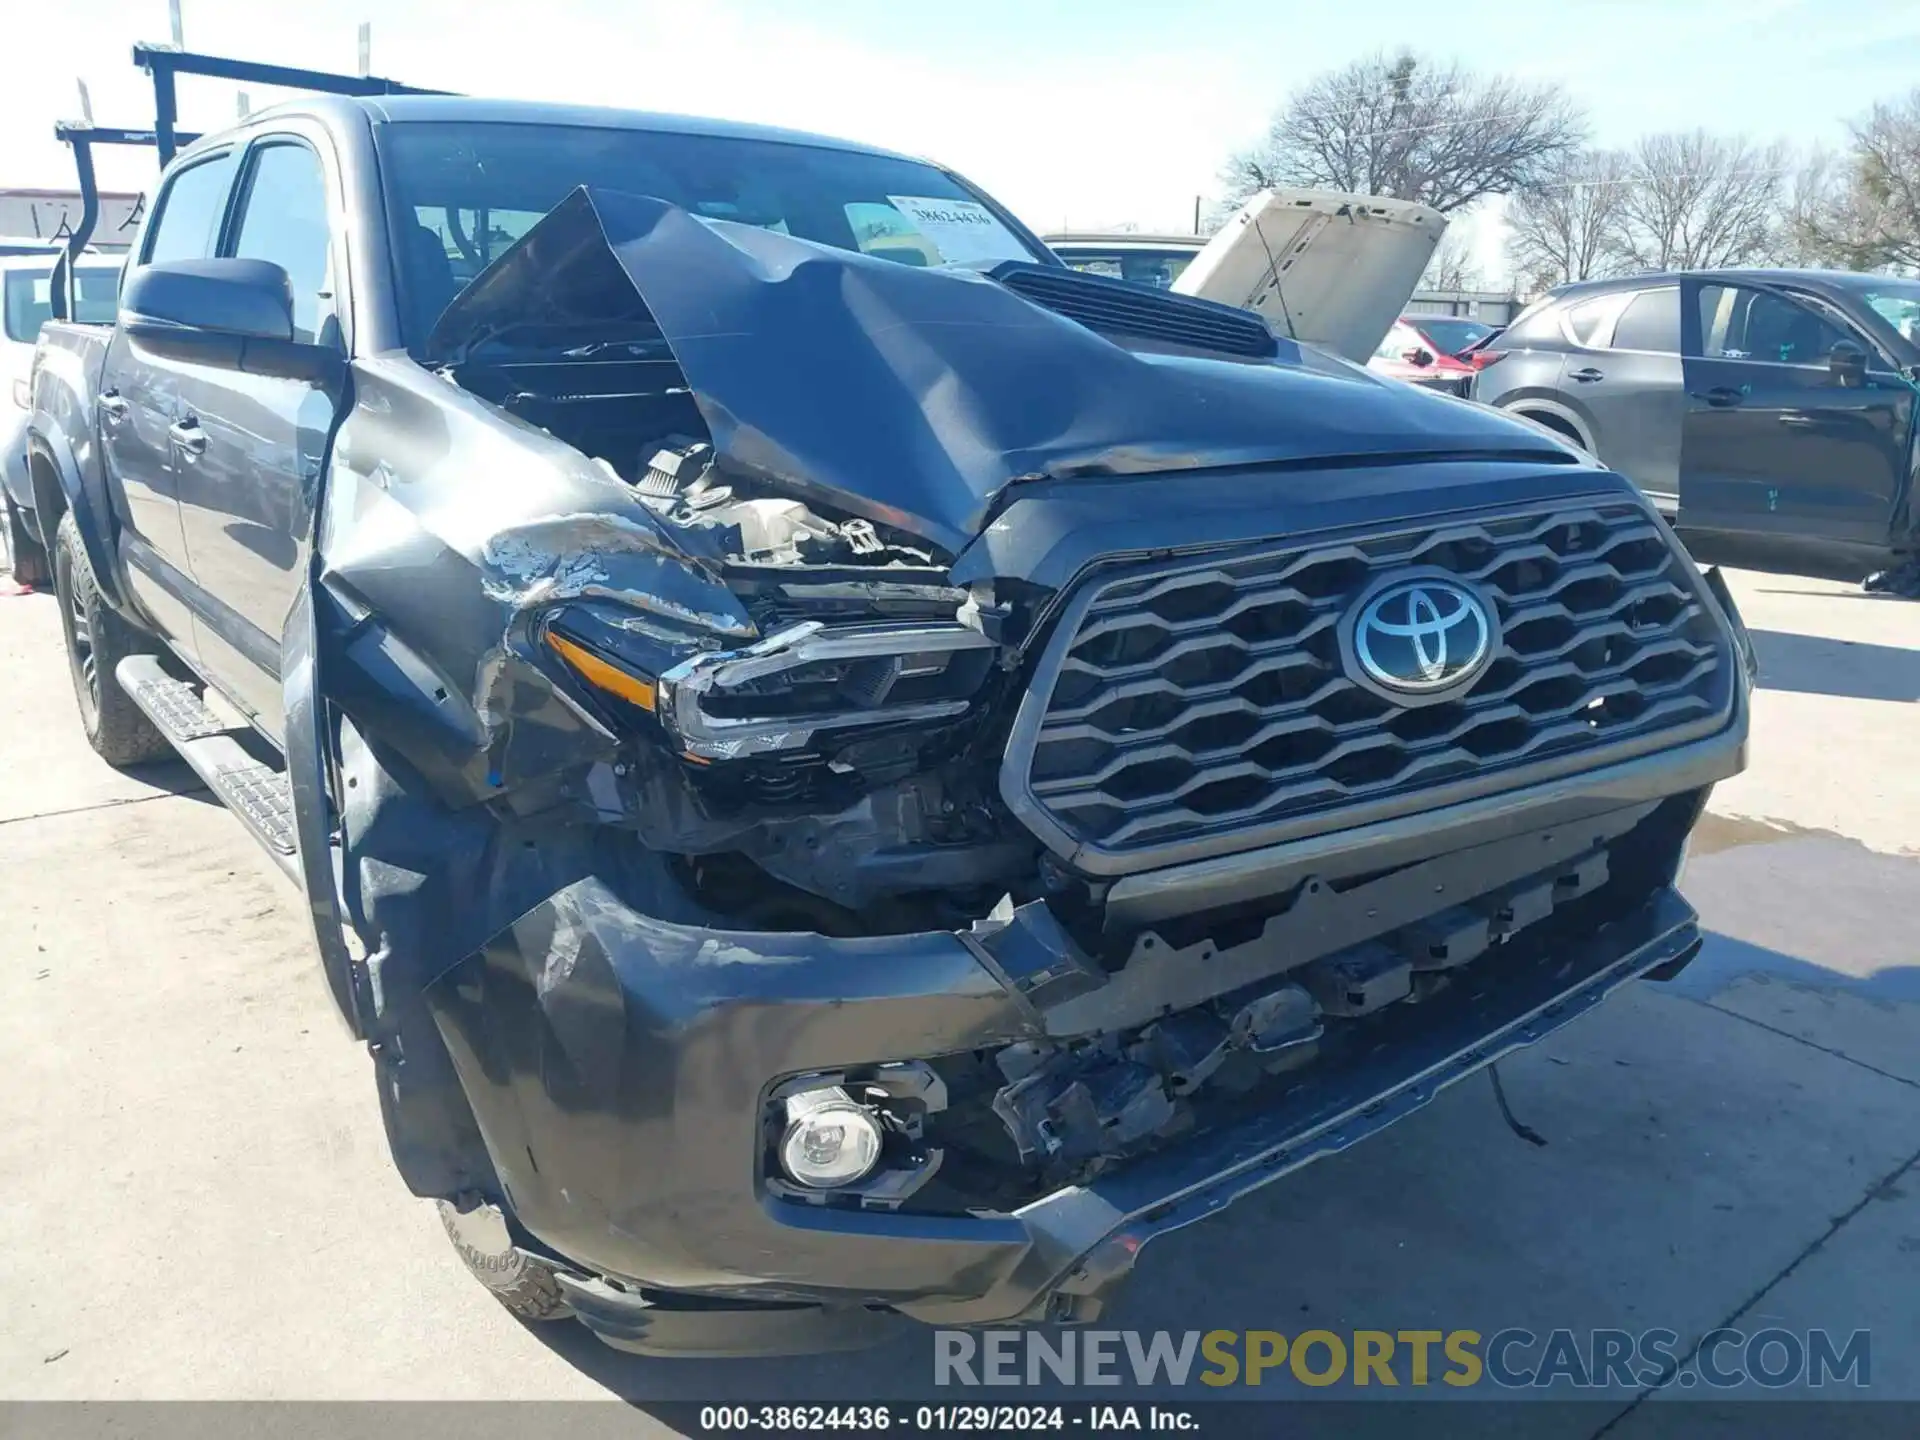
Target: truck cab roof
337	111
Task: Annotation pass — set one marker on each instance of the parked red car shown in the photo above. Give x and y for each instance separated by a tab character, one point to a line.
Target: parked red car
1427	350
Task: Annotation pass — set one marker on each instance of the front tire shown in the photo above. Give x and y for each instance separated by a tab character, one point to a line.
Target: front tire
98	638
522	1282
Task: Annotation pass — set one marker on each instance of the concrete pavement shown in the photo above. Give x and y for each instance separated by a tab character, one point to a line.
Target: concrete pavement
198	1204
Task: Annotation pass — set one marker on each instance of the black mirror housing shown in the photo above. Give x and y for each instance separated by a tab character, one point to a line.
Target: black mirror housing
228	298
229	312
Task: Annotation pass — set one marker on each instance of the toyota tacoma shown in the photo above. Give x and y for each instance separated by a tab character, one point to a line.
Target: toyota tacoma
842	769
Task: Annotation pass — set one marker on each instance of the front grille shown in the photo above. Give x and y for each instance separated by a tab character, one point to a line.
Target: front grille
1201	707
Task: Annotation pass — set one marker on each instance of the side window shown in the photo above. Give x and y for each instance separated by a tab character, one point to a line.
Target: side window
1650	322
1538	324
284	219
186	224
1591	321
1741	324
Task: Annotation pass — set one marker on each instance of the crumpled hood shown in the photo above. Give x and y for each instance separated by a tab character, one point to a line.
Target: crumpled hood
915	396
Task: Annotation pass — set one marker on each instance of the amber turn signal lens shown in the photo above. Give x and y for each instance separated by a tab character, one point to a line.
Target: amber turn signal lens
598	673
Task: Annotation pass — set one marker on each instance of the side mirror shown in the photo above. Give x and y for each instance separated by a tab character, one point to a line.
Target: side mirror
232	299
1847	362
227	312
1419	355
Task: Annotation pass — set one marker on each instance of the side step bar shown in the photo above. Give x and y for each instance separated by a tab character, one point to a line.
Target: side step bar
220	755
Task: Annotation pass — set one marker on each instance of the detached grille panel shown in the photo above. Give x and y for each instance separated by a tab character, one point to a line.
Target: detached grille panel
1205	703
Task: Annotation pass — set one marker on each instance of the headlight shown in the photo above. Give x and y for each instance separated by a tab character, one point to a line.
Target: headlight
779	694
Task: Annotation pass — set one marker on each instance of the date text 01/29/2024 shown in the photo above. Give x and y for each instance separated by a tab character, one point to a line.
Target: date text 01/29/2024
975	1419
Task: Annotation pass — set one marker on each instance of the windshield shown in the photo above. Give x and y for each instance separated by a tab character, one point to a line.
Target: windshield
471	190
1158	268
1451	333
1898	303
29	300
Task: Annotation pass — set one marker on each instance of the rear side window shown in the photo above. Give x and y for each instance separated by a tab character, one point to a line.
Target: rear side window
187	225
1650	322
1538	326
1589	320
284	219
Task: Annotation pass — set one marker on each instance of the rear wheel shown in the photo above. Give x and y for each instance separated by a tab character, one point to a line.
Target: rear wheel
97	640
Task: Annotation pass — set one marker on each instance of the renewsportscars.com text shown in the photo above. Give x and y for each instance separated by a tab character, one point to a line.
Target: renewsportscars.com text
1513	1358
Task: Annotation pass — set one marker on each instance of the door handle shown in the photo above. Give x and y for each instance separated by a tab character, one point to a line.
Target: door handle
114	407
1588	375
1721	396
188	435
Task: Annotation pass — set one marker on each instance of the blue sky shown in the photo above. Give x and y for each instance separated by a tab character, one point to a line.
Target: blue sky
1085	114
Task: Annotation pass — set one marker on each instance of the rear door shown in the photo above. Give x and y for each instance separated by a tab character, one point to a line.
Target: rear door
1775	443
251	446
1627	381
140	402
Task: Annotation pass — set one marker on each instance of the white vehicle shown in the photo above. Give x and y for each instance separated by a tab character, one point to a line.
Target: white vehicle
1328	269
25	301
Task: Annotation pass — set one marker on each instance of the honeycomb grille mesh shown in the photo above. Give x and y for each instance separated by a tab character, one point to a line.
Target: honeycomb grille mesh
1212	698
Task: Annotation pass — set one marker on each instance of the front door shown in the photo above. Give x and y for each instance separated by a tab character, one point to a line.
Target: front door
1775	441
251	446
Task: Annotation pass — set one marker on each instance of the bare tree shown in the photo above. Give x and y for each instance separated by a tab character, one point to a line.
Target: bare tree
1867	215
1698	200
1452	266
1413	129
1568	225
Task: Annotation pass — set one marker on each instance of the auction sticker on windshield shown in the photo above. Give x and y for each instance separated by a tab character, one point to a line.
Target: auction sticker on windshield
961	230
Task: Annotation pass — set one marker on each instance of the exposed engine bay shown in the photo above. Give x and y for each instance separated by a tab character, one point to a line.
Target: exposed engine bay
829	775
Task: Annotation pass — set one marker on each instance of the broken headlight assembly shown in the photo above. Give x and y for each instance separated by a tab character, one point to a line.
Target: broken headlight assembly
810	678
784	693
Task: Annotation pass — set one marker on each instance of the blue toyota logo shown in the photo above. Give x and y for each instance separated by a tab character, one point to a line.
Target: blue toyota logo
1419	637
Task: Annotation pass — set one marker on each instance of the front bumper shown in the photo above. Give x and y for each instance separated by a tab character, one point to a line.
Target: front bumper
618	1065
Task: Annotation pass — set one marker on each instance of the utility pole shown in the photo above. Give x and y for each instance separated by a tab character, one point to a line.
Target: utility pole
1196	214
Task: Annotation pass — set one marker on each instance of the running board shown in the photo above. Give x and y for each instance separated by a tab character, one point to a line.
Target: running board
255	791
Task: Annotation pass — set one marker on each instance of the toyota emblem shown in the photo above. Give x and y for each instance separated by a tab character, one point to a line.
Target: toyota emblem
1422	636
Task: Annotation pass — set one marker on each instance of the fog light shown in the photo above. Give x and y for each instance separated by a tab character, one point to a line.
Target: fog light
831	1140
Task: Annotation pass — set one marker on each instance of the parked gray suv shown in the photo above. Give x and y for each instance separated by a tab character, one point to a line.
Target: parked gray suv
1773	403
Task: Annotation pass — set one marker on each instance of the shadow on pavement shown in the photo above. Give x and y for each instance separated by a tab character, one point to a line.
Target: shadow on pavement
1814	665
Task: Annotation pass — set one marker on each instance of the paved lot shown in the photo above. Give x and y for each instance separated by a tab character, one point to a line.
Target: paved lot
198	1204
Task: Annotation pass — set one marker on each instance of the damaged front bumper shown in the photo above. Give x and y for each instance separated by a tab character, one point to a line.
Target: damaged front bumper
620	1069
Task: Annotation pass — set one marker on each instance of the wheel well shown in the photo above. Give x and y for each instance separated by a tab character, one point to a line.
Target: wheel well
49	500
1554	421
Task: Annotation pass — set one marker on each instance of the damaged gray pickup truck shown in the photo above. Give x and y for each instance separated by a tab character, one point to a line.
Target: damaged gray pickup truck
843	770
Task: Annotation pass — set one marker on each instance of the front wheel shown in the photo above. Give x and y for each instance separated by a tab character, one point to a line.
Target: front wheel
97	640
522	1282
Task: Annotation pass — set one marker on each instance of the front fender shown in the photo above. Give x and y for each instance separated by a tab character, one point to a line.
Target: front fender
306	739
